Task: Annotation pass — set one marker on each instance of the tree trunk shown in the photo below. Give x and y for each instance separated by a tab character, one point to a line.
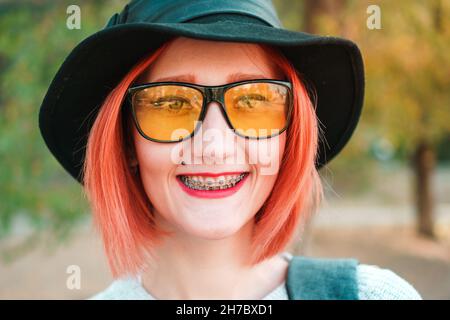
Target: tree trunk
424	160
423	163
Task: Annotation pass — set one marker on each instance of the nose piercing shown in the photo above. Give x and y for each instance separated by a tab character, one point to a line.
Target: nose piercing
183	163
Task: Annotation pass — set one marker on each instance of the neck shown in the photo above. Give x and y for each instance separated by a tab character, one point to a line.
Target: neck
185	267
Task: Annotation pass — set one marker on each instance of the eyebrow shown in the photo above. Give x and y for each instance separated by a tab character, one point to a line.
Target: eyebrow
237	76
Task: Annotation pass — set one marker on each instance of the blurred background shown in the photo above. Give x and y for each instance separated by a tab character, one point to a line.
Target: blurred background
387	194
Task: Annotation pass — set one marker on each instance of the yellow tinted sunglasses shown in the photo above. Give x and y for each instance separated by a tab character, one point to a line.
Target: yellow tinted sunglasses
173	111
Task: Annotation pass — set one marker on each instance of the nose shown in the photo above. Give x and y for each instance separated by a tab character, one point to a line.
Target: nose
217	138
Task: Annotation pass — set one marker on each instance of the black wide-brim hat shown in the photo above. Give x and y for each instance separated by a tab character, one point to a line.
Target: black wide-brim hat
95	66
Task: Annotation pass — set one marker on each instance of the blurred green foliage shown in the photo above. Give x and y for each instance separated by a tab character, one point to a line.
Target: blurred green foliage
407	96
34	42
408	72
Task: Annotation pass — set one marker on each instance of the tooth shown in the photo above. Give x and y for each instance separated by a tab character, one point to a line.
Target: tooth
210	183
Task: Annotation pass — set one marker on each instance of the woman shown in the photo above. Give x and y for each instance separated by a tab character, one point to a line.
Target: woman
200	151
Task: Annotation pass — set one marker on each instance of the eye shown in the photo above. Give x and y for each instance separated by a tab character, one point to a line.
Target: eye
171	103
249	101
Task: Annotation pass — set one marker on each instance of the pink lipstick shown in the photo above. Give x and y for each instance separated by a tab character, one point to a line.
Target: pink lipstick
198	184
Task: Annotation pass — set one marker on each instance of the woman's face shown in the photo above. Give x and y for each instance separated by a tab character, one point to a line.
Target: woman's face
214	150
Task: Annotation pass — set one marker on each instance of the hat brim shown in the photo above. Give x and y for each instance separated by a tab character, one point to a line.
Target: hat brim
332	65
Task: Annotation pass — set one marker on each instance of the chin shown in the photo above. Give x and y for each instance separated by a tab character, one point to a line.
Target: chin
214	231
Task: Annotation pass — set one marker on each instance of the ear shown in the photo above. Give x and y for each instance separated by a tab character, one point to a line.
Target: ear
129	141
132	160
134	163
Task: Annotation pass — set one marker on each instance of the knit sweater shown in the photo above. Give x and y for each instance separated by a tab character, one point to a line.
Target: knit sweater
374	283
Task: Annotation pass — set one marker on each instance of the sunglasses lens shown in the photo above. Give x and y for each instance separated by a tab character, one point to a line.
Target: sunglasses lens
167	112
258	110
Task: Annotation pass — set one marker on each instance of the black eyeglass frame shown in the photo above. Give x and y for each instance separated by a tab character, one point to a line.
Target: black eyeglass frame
210	93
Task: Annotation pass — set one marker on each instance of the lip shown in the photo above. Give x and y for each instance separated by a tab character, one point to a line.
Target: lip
212	194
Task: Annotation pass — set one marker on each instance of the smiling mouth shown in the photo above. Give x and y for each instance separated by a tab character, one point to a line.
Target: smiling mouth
209	183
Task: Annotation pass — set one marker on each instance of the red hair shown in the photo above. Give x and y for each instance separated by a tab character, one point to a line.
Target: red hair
121	208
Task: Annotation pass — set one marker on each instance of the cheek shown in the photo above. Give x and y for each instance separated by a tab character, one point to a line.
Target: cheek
153	158
155	168
267	155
